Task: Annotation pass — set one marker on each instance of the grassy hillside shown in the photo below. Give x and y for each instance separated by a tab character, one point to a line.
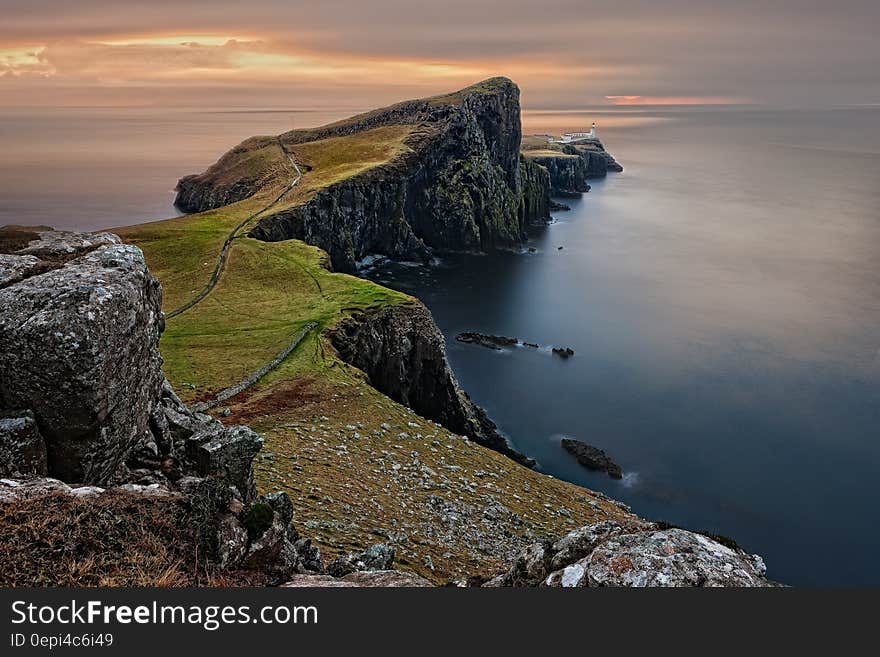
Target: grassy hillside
359	467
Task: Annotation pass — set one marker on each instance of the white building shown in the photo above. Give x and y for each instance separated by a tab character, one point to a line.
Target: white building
576	137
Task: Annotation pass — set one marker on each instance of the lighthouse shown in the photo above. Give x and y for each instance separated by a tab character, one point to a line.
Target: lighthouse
577	137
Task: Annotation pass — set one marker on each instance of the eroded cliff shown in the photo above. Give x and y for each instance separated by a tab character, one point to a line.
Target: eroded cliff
456	182
404	355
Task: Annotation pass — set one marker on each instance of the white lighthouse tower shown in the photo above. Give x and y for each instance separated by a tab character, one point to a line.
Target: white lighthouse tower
593	131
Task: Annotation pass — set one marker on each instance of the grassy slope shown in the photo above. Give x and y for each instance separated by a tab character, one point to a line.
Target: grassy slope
332	441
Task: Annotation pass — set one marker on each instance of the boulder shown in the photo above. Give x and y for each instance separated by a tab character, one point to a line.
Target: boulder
228	454
22	449
376	557
529	568
673	557
79	348
635	553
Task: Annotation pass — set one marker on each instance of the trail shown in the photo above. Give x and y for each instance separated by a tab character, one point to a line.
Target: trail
224	251
255	376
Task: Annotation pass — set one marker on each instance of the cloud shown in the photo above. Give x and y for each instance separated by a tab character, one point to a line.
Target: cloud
564	53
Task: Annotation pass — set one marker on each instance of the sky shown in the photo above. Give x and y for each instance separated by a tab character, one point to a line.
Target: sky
564	54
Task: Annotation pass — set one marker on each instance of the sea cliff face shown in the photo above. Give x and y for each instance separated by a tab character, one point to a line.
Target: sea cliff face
459	184
570	166
404	355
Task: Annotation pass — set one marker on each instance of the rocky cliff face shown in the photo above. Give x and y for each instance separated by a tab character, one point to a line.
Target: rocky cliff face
570	166
567	173
462	185
404	355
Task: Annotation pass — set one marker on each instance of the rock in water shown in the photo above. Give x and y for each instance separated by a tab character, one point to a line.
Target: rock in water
79	348
484	340
591	457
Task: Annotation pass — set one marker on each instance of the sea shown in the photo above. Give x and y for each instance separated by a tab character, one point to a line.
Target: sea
721	295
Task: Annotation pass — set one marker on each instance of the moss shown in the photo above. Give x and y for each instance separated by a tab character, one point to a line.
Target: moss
258	518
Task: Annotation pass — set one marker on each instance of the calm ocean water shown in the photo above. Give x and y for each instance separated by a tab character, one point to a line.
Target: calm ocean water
722	296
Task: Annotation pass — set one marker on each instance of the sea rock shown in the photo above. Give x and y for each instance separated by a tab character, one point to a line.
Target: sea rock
375	578
489	341
563	352
79	348
592	457
22	449
568	173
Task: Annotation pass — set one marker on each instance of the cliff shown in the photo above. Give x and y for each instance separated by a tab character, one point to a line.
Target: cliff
454	181
570	166
404	355
153	493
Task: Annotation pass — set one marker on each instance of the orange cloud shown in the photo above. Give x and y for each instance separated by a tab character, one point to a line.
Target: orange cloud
677	100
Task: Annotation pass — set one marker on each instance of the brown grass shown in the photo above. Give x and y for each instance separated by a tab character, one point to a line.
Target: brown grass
116	539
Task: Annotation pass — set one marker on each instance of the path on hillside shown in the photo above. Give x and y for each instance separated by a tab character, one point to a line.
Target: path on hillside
224	252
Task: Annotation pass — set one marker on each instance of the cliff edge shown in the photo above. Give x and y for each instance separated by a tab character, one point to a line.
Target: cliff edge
450	177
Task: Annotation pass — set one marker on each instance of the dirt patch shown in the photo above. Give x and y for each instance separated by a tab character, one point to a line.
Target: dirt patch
299	394
14	238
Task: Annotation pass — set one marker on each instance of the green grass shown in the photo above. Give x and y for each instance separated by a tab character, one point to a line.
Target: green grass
549	153
539	143
267	292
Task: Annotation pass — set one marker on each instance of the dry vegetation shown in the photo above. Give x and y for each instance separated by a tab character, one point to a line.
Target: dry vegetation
116	539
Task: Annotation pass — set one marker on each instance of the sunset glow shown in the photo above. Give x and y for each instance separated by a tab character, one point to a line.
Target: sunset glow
341	52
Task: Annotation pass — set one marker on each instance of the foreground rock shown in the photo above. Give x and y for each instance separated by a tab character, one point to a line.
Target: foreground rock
376	557
78	349
591	457
633	554
22	448
80	361
376	578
